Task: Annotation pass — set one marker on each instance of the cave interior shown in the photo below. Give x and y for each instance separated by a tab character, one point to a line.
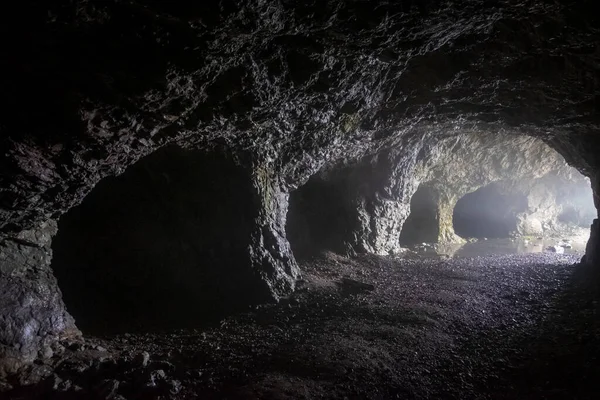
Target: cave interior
206	168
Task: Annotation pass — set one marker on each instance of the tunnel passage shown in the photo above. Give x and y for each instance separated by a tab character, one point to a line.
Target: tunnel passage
488	212
163	245
318	217
422	224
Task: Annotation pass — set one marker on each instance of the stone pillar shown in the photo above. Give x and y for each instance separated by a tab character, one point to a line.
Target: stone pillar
592	249
382	222
445	207
32	314
270	255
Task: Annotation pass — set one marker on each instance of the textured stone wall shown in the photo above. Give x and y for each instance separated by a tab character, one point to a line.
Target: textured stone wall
519	165
32	313
363	206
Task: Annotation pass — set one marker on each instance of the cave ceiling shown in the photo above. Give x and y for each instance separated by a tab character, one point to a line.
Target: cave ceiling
89	87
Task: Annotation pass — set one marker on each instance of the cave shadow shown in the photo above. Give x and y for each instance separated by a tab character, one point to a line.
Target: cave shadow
557	357
162	246
318	218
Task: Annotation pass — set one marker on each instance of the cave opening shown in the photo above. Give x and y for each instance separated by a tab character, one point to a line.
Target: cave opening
422	224
317	218
161	246
488	212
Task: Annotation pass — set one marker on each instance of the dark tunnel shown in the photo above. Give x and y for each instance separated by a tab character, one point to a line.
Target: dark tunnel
318	218
293	199
160	246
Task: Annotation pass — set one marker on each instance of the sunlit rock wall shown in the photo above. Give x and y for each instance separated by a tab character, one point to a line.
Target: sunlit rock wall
521	165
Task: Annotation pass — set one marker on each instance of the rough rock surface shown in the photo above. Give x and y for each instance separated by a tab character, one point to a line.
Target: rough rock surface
288	87
32	313
368	206
519	166
299	84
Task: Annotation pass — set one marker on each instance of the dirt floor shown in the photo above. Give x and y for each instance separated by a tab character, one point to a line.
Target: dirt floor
497	327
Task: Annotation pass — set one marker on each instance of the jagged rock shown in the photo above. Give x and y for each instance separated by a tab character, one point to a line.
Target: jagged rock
174	387
33	314
35	373
156	376
163	365
62	385
76	346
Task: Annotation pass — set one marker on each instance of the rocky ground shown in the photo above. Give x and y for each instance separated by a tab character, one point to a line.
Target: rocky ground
498	327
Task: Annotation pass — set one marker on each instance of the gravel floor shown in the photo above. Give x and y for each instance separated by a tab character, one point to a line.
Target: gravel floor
497	327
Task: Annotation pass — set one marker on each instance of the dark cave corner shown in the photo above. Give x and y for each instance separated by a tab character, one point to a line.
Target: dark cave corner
422	224
164	245
318	219
488	212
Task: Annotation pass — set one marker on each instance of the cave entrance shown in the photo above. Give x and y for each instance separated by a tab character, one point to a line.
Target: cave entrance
422	224
488	212
162	245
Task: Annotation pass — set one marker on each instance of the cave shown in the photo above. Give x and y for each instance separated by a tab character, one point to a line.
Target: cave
211	200
160	246
488	213
310	222
319	218
422	224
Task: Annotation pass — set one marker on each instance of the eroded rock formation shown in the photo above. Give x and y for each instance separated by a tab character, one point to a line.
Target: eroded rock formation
360	91
534	181
409	194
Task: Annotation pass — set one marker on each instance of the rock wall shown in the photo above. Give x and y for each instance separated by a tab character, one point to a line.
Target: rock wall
557	204
519	166
32	313
363	207
360	207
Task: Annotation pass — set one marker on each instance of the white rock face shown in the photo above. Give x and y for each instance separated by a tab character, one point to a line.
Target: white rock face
530	226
